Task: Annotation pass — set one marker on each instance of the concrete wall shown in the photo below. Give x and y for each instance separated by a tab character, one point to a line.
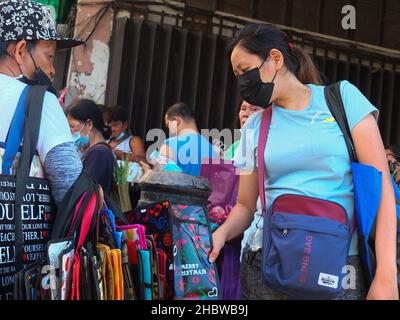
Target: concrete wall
87	76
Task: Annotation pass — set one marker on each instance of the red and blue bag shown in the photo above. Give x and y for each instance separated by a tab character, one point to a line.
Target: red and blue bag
306	240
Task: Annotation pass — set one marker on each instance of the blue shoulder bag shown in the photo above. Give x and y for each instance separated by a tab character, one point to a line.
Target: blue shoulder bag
305	241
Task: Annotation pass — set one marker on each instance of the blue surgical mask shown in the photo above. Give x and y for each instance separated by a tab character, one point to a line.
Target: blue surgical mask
80	142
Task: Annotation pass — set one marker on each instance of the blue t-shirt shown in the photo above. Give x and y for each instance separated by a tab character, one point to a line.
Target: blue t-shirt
189	150
306	153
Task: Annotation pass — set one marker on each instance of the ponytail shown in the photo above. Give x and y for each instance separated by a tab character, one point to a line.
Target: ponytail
306	72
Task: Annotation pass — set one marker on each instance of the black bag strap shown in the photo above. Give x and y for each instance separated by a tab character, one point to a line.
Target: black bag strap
34	106
335	104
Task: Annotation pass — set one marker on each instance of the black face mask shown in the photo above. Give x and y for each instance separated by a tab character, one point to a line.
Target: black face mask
27	81
41	78
253	90
42	82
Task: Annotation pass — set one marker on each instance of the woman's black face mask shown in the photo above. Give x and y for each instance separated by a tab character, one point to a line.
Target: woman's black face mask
253	90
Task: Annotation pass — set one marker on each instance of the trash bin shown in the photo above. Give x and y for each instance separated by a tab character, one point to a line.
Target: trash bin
175	187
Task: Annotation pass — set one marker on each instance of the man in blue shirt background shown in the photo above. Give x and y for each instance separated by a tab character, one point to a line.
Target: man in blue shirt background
186	146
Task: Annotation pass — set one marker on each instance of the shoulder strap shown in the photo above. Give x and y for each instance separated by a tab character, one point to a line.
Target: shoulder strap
35	100
262	142
335	104
34	105
15	132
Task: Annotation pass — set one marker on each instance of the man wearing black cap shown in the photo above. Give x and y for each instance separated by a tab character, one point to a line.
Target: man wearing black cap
28	42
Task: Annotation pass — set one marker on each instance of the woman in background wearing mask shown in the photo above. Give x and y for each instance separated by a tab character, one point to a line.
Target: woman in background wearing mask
87	126
122	141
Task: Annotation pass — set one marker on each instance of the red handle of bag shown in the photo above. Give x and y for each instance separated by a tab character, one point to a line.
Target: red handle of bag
262	142
87	221
85	226
76	267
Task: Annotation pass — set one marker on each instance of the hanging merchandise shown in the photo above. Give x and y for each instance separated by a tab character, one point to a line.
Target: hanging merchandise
85	259
154	266
162	273
76	254
195	277
155	218
182	237
26	205
107	272
129	287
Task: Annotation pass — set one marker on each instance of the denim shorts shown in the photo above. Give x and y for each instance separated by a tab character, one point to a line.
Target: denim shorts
254	289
